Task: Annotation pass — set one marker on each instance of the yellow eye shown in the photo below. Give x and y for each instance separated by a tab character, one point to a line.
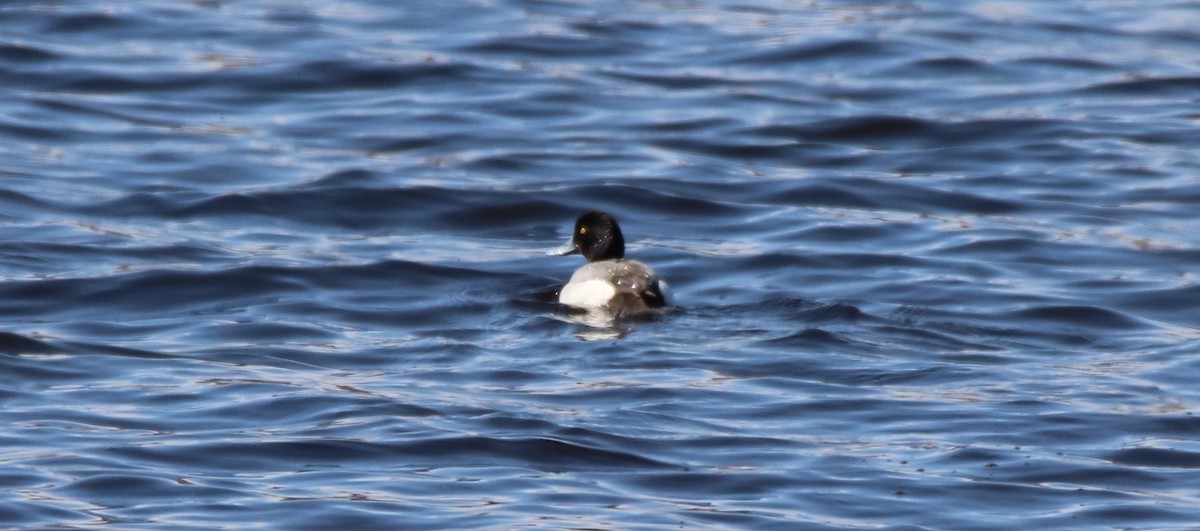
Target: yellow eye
583	230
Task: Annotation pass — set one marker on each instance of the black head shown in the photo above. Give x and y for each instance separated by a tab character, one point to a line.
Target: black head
598	237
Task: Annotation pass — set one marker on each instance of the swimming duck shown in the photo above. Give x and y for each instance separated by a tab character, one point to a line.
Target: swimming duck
608	280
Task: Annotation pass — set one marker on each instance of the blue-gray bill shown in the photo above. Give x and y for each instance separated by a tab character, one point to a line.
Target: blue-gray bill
564	250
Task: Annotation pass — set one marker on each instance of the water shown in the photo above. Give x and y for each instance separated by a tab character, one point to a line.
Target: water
282	265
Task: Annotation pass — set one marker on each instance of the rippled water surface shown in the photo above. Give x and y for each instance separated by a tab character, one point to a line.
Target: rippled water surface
282	264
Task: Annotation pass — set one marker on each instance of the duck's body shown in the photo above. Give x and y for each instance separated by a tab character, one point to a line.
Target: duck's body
608	281
630	284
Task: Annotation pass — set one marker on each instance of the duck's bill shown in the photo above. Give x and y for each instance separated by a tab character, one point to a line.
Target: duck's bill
567	248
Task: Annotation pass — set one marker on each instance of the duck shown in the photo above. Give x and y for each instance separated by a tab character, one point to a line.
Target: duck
608	281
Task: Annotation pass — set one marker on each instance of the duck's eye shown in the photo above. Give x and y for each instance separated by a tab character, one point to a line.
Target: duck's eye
583	230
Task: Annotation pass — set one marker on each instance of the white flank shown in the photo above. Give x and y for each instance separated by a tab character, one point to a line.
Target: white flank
587	294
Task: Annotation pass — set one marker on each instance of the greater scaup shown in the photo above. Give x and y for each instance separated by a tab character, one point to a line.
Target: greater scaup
608	281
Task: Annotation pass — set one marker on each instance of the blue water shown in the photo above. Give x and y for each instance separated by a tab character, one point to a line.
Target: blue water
282	264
